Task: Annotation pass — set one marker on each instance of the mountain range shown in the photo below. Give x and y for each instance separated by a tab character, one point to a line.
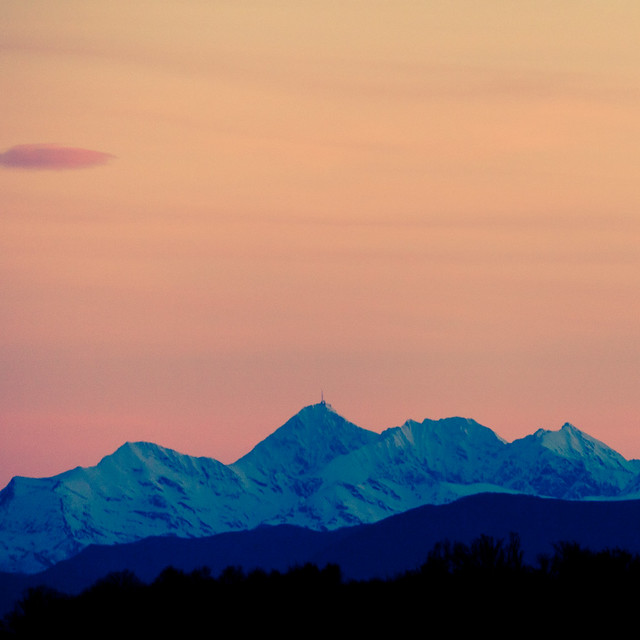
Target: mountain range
318	471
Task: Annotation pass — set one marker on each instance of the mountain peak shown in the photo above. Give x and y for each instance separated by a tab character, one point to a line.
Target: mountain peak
572	443
453	427
319	407
308	440
131	452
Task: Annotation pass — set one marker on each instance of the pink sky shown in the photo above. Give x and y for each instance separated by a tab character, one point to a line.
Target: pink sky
210	211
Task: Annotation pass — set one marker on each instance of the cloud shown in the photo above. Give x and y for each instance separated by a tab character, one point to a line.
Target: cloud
51	156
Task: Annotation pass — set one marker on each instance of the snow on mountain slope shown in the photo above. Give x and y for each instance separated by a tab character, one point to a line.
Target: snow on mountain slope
417	463
304	444
318	470
33	528
138	491
565	464
453	449
144	486
285	468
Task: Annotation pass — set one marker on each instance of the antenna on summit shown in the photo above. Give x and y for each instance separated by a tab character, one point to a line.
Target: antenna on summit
322	402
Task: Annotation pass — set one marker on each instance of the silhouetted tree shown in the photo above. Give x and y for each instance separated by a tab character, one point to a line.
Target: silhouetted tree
481	586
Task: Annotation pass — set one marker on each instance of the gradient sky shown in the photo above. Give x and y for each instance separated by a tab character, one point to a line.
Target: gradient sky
211	210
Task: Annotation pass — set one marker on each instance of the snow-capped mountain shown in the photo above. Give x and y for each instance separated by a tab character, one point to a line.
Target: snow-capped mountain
565	464
318	471
139	491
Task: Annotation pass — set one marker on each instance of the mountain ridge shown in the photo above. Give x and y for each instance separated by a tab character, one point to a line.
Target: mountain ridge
317	470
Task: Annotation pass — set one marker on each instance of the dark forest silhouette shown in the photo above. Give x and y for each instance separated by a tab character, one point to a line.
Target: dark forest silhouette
484	585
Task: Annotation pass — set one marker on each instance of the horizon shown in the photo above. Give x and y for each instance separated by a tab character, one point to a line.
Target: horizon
212	211
328	406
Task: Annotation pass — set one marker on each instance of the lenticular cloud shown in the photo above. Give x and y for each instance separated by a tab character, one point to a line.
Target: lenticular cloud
51	156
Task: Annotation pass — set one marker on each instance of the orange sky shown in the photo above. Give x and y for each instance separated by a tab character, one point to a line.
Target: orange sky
425	209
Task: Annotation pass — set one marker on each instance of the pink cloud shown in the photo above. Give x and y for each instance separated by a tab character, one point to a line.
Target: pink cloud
51	156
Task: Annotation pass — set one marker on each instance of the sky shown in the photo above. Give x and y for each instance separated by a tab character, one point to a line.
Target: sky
213	211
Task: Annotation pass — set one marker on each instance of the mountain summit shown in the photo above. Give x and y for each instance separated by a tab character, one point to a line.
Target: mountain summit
305	443
567	463
318	470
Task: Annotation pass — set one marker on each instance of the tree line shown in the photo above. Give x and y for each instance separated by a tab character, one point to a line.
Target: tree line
481	586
